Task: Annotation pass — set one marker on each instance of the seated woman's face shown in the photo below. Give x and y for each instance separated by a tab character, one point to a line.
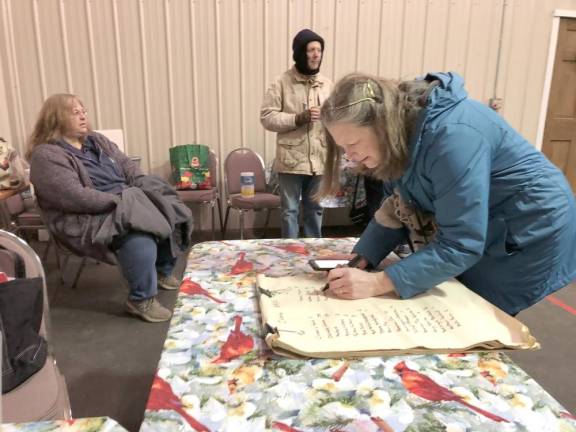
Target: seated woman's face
78	120
360	143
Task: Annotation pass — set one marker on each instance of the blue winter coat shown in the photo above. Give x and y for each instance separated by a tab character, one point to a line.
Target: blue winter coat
506	216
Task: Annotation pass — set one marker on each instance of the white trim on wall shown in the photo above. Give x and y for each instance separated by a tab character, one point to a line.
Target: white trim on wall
558	13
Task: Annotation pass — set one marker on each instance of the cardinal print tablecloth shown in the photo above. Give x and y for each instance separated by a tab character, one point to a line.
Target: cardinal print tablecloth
216	374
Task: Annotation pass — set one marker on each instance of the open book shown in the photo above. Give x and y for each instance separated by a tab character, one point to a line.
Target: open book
301	321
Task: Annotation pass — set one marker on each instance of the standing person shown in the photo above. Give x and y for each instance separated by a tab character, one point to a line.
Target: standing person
97	203
504	216
291	107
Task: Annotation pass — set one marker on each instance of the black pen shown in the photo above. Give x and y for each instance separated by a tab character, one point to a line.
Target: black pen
352	263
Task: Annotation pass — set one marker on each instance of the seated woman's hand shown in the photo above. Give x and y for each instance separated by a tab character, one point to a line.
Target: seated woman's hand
352	283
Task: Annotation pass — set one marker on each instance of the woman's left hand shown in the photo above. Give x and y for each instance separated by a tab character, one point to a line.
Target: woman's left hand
352	283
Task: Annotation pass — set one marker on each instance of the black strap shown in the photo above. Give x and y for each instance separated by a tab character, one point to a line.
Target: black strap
355	191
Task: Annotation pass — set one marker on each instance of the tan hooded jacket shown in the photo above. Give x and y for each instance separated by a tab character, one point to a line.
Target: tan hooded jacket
299	150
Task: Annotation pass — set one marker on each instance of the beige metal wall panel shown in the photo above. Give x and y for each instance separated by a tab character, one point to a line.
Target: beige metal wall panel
536	68
369	35
155	36
323	23
233	82
5	129
76	37
436	36
413	38
172	72
275	51
345	38
104	59
182	70
481	51
11	111
515	64
208	72
252	80
25	65
457	35
131	71
391	35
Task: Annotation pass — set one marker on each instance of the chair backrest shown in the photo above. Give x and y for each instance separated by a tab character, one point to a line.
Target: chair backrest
213	166
32	268
44	395
241	160
114	135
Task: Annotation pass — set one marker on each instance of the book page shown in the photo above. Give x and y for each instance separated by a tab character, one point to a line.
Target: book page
449	317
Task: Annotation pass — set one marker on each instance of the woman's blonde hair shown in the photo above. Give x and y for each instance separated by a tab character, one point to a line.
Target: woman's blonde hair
53	120
386	106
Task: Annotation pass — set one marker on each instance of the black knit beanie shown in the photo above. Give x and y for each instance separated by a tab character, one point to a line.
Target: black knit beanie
299	44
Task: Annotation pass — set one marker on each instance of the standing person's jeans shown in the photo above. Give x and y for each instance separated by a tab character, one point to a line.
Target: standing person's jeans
140	257
292	187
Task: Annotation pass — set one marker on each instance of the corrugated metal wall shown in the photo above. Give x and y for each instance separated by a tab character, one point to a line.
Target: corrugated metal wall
171	72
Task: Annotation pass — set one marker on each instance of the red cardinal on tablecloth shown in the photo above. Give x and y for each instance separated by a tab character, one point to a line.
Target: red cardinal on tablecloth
283	427
337	376
382	424
163	398
236	345
192	288
296	248
241	265
426	388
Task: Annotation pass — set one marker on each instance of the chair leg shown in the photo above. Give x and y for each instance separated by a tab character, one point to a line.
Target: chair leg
266	223
46	250
219	204
212	203
225	223
63	265
79	272
241	224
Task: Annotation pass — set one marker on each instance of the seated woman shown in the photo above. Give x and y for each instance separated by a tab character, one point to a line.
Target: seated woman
97	203
503	215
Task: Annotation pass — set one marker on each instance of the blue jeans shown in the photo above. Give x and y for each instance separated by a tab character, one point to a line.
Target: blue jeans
140	257
292	187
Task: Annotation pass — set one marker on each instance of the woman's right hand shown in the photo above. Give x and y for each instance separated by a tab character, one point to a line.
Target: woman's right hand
353	283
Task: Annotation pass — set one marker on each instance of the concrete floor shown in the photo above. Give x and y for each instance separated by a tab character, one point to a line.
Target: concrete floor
109	358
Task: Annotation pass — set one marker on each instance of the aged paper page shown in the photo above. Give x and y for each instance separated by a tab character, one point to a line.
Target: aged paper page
447	318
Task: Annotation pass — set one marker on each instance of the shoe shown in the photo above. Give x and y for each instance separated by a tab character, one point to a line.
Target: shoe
148	309
168	282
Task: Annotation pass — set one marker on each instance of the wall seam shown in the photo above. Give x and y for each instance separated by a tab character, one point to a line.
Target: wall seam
39	52
144	49
169	71
93	68
120	72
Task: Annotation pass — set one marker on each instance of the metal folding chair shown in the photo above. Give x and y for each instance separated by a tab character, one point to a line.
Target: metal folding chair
44	395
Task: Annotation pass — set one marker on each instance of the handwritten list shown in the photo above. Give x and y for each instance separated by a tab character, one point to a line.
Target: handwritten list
310	323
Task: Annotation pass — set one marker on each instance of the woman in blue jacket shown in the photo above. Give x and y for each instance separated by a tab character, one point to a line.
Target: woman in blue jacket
504	217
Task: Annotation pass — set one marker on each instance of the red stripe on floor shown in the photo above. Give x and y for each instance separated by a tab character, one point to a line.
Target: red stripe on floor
555	301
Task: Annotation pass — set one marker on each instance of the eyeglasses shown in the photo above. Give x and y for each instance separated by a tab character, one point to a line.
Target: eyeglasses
368	93
79	112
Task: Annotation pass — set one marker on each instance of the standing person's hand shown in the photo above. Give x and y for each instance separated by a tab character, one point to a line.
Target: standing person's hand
352	283
314	113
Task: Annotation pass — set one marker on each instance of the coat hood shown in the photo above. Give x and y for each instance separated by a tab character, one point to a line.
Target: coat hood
448	93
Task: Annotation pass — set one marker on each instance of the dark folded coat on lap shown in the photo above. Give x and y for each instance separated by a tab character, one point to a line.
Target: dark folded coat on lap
85	220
